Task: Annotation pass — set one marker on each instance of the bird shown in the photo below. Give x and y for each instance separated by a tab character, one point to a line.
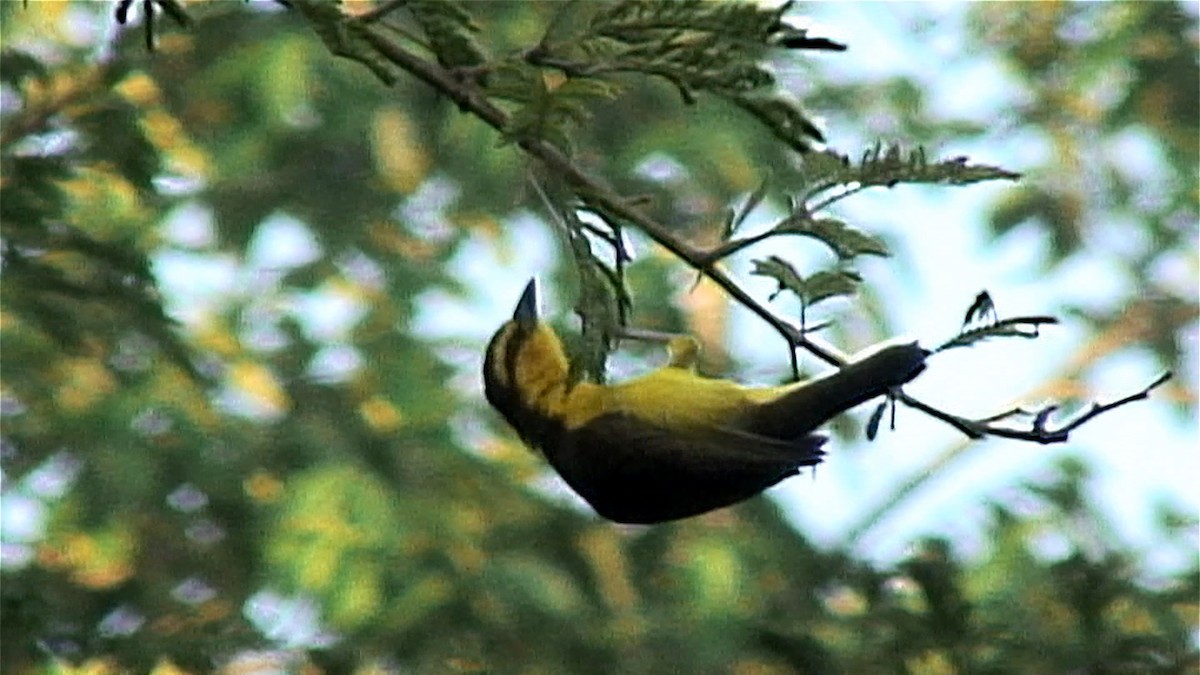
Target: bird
670	444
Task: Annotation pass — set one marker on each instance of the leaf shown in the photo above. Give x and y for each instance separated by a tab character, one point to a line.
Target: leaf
829	284
1022	326
847	242
876	418
585	90
599	306
552	106
451	31
982	308
799	40
640	20
782	272
698	47
890	165
785	119
816	288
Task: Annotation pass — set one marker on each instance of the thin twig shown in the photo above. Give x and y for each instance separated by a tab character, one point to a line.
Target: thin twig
728	248
832	199
1038	431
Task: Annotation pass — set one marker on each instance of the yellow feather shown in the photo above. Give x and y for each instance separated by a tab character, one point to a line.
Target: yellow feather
674	396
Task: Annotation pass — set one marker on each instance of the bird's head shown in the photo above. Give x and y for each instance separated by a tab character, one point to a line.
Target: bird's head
524	357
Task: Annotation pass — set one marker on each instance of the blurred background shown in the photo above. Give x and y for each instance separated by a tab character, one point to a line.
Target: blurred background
328	489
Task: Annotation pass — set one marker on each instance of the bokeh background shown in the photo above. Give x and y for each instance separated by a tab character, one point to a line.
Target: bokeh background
328	489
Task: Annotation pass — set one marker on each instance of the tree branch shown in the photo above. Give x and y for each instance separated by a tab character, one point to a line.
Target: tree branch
361	40
596	195
1039	431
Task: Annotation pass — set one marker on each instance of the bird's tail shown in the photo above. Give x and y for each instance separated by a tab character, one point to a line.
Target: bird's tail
812	403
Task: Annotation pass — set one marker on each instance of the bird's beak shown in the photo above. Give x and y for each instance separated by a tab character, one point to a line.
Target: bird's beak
526	313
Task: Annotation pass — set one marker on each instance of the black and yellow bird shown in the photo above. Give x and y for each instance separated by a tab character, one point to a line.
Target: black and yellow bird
670	444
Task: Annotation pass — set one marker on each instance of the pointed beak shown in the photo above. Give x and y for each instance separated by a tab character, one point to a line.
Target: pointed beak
526	313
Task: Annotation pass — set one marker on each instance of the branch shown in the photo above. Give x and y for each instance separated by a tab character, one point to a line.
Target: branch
731	246
1039	430
1131	327
982	322
360	40
351	39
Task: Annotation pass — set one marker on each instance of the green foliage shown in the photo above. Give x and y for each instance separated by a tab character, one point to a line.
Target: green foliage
549	111
812	290
601	305
846	242
452	34
336	535
696	46
890	166
73	221
378	488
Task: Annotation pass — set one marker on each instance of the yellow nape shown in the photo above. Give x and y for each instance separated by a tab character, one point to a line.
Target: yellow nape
541	377
541	365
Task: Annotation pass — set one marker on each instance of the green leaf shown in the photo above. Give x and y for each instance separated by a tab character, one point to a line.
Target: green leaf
334	538
17	66
812	290
847	242
584	90
830	284
890	165
549	114
601	307
697	46
451	31
785	119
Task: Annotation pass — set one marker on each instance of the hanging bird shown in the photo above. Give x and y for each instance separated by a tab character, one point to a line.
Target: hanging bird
670	444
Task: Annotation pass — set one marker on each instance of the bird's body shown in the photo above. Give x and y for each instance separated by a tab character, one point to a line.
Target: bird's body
669	444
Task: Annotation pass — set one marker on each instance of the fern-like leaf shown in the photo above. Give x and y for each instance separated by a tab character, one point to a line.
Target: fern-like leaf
451	32
889	166
847	242
1027	327
812	290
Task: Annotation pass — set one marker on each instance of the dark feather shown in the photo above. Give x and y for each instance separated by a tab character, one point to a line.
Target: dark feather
817	401
632	471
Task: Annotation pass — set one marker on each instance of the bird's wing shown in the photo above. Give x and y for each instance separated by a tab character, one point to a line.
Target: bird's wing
631	470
